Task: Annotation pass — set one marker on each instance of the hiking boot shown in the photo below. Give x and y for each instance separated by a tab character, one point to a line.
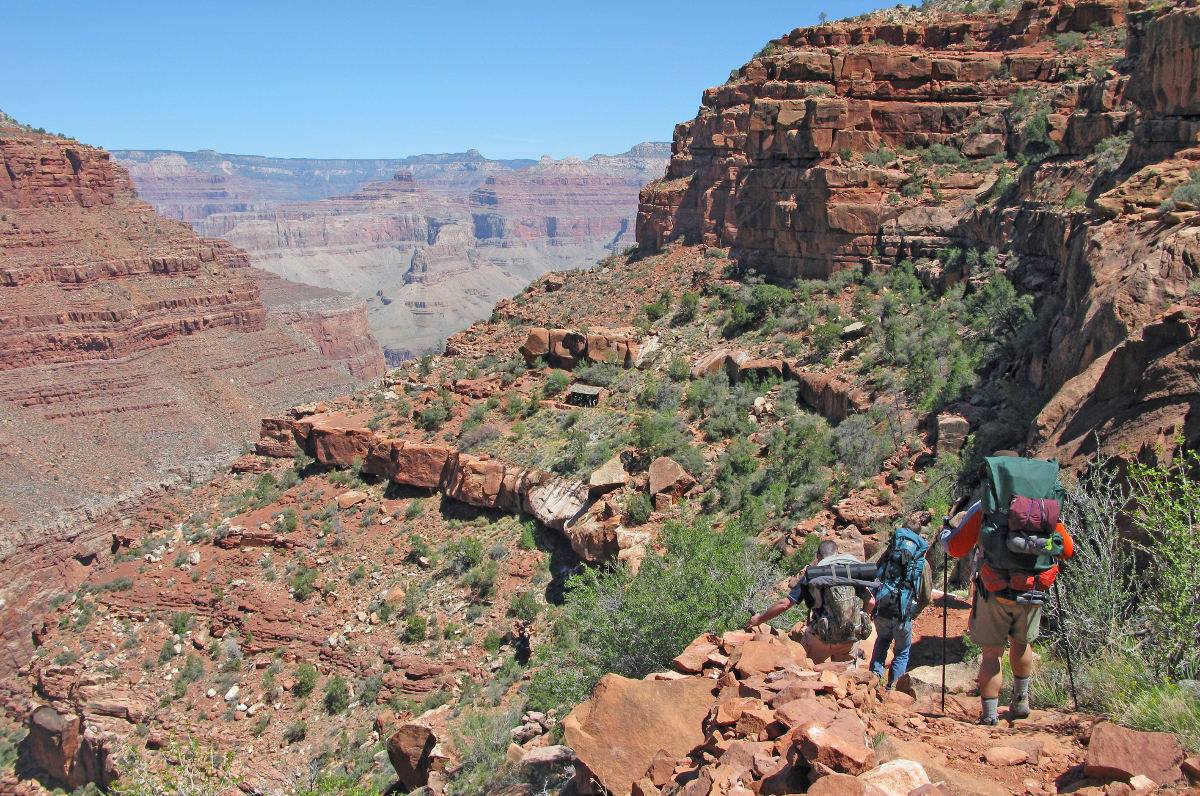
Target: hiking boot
989	721
1019	707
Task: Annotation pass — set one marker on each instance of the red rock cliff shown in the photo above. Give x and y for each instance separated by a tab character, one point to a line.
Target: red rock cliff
133	354
907	135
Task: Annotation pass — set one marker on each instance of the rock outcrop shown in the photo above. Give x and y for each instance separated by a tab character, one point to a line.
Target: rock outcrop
903	135
564	505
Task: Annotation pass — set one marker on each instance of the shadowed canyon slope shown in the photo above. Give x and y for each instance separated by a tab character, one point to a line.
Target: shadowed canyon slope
132	352
431	246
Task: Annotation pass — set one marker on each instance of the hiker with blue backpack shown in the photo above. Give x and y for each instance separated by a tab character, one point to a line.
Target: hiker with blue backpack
1016	525
905	588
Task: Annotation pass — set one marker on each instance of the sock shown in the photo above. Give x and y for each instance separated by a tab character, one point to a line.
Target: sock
1020	688
991	708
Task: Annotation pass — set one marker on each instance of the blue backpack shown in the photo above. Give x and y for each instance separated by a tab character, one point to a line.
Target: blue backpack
899	576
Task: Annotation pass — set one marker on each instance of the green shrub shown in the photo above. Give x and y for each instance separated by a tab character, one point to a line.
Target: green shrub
463	553
1110	153
330	785
638	508
610	622
337	695
598	374
195	770
881	157
1069	41
862	445
1075	199
482	738
481	579
1167	511
290	521
943	155
295	732
556	382
689	303
678	369
525	606
306	680
415	628
436	413
301	582
1188	193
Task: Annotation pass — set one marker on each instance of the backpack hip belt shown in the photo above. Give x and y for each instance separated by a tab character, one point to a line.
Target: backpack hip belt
995	580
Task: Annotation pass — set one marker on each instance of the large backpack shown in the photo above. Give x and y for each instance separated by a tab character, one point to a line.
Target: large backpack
1019	534
899	576
839	619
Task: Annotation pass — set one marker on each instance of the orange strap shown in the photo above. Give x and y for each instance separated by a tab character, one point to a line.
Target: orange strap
1068	542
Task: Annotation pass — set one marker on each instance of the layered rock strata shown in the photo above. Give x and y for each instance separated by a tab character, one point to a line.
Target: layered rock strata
133	354
897	135
434	245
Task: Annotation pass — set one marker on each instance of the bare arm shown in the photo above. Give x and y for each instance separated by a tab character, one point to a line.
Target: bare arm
769	614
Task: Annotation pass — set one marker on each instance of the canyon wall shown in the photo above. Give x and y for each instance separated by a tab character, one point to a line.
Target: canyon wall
1051	135
134	355
431	246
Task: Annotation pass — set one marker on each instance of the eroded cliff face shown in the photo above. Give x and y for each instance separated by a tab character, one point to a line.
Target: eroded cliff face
133	355
1051	134
434	247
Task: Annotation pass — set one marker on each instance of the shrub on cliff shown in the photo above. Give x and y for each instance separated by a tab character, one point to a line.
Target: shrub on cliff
195	770
611	622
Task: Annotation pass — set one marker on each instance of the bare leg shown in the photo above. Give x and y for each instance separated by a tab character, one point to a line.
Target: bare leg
1020	657
990	678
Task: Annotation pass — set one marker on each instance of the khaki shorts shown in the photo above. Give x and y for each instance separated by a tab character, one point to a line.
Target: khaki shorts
994	620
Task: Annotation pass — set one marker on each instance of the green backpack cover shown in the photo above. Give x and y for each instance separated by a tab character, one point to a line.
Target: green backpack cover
1008	476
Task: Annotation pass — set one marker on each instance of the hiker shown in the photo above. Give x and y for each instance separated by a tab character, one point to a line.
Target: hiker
838	614
906	587
1017	529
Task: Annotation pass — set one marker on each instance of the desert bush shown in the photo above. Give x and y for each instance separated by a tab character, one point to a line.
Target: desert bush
689	302
195	770
1167	512
481	579
525	606
598	374
337	695
415	628
480	435
638	508
862	445
433	416
663	434
331	785
1099	581
1110	153
1188	193
611	622
482	738
556	382
881	157
1069	41
943	155
799	453
306	680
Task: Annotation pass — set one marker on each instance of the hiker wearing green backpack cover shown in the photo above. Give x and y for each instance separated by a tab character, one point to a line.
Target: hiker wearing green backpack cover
1016	527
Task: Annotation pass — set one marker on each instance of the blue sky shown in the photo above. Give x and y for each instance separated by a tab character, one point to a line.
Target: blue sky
379	79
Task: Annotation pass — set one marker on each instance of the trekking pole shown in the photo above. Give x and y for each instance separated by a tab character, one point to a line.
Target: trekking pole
945	618
1067	646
